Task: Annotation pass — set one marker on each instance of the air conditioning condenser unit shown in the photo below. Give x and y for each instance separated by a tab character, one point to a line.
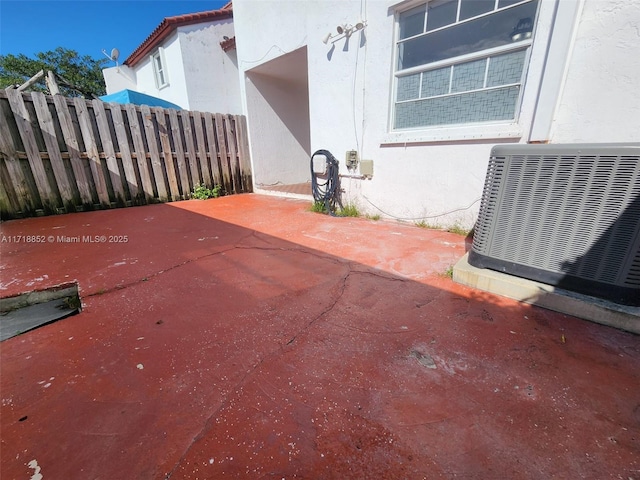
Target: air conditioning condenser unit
566	215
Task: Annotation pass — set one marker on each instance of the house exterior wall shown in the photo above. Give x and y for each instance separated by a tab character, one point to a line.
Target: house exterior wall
201	76
119	78
601	97
422	174
211	74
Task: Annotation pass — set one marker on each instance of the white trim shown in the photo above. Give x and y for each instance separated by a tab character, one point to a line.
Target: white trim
555	68
513	130
159	54
454	133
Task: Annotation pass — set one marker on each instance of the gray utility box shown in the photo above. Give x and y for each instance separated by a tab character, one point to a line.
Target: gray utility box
565	215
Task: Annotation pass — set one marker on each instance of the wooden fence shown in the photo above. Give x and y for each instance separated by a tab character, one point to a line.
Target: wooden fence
61	154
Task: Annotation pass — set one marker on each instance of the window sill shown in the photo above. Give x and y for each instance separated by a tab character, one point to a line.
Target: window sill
455	134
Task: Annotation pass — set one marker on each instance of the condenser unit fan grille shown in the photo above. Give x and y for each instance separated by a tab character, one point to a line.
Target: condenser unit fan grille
566	215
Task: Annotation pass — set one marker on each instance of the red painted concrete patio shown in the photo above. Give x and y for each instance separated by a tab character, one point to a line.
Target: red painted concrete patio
246	337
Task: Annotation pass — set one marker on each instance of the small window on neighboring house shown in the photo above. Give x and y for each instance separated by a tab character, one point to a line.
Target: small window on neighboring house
159	69
461	62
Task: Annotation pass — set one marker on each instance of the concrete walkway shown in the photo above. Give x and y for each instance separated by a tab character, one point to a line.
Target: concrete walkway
246	337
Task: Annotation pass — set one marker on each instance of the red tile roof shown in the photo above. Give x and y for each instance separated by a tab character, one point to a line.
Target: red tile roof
169	24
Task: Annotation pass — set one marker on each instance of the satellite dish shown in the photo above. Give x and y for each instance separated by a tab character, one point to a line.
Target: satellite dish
115	53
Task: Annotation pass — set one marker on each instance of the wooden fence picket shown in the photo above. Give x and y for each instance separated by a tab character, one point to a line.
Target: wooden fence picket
141	156
16	180
55	157
110	153
190	153
152	145
71	142
176	134
82	154
91	147
125	153
23	121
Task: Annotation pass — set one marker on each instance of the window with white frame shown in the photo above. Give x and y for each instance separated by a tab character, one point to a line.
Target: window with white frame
461	62
159	70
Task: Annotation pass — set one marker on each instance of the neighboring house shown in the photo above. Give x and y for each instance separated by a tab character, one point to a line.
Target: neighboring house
188	60
425	89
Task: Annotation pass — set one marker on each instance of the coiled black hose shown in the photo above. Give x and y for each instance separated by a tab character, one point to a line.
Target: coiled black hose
327	192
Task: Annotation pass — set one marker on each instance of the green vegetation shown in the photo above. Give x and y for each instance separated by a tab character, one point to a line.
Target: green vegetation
318	207
202	192
459	230
78	75
449	272
456	228
424	224
374	217
349	210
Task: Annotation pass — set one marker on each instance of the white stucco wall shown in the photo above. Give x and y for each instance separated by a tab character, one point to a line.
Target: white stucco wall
600	101
421	174
119	78
211	73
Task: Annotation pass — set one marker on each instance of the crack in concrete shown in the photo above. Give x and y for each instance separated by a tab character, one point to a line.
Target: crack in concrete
122	286
270	355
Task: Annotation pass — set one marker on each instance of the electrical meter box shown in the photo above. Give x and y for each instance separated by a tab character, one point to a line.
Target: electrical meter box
366	168
351	159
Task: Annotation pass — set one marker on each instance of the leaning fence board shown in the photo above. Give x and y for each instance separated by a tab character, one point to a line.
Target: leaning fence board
49	134
70	140
107	146
23	121
125	151
138	147
82	154
176	133
92	150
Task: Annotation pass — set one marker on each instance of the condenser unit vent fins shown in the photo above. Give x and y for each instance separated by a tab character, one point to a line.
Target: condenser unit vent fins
565	215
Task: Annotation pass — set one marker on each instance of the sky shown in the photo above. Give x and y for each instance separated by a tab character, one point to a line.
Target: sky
87	26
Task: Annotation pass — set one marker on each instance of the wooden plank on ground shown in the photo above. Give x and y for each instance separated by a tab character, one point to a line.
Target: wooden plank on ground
244	158
138	147
92	150
25	202
234	166
165	143
70	140
125	150
214	153
196	175
224	160
176	133
156	161
109	151
23	120
49	134
205	164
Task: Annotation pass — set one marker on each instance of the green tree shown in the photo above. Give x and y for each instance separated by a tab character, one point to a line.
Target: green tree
77	75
